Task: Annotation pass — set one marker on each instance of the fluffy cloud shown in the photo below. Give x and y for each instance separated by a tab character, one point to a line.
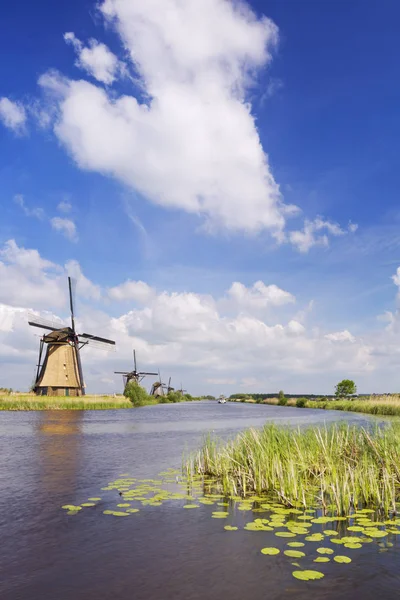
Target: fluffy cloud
131	290
308	237
193	143
64	206
186	334
29	212
259	295
66	226
96	59
12	115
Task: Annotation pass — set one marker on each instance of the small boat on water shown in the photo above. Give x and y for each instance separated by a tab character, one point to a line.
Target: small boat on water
221	400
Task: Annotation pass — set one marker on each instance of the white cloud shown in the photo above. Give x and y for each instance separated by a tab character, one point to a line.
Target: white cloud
194	144
12	115
131	290
307	238
259	295
96	59
64	206
341	336
187	335
66	226
29	212
396	277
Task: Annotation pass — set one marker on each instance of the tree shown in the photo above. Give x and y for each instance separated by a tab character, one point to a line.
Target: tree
136	394
282	401
345	388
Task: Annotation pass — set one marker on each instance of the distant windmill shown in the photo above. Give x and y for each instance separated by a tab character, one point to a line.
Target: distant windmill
169	388
134	375
158	388
181	390
60	373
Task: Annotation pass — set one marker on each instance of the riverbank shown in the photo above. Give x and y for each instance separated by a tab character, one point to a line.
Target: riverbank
340	468
32	402
372	405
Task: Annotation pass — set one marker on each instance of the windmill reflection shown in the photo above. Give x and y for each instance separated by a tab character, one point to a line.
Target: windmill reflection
60	435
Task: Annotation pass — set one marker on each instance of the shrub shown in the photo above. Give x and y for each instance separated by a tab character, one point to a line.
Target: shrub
301	402
174	397
282	400
136	394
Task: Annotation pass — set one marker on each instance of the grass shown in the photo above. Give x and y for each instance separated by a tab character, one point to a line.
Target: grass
32	402
338	468
373	405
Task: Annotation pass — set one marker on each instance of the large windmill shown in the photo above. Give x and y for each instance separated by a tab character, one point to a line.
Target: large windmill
60	373
134	375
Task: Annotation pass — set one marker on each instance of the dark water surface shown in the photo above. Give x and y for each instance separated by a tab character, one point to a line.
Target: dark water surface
52	458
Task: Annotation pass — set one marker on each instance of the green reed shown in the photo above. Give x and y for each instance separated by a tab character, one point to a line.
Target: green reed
336	468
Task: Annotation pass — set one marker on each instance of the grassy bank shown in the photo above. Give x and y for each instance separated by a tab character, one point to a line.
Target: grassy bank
373	405
336	468
32	402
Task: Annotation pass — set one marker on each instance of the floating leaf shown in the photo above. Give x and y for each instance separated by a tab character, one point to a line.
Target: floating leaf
296	544
376	533
294	553
94	499
353	546
322	559
230	528
315	537
132	510
286	534
323	520
342	559
307	575
355	528
324	550
123	505
330	532
270	551
191	506
71	507
88	504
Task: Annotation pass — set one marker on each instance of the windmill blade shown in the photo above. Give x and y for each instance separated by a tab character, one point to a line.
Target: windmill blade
71	305
134	360
45	323
147	373
96	338
33	324
122	372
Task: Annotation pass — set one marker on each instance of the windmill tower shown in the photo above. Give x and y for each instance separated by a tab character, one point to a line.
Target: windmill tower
181	391
158	388
60	373
169	388
134	375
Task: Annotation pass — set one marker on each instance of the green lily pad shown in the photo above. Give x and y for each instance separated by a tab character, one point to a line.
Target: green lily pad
355	528
325	551
322	559
315	537
88	504
353	546
376	533
294	553
307	575
330	532
123	505
71	507
286	534
270	551
94	499
191	506
296	544
342	559
230	528
132	510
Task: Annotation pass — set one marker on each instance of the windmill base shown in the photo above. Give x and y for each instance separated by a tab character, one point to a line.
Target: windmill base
58	391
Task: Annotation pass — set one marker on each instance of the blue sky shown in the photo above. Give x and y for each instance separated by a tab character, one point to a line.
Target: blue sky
324	105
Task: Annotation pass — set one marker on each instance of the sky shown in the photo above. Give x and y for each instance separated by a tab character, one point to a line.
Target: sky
219	178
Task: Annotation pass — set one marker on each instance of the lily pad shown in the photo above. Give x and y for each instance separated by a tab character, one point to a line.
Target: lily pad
230	528
296	544
123	505
307	575
322	559
88	504
270	551
294	553
191	506
353	546
325	551
342	559
286	534
330	532
94	499
376	533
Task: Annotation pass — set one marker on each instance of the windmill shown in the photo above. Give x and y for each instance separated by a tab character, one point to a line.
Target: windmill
134	375
158	387
169	388
181	391
60	373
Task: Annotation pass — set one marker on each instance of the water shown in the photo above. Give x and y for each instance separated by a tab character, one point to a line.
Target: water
53	458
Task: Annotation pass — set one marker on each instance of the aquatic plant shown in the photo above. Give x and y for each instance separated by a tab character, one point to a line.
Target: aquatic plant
340	467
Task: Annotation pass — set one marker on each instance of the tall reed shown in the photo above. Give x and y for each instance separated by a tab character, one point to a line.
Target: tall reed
336	468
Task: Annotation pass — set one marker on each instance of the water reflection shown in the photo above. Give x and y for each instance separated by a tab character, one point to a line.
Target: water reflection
59	450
